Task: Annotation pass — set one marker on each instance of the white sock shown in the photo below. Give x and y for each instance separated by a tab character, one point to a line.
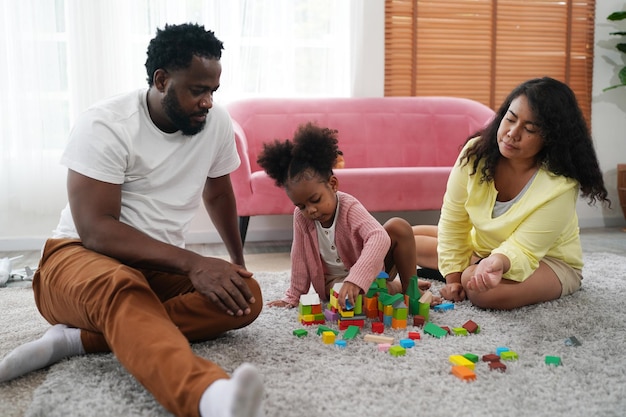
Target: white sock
240	396
57	343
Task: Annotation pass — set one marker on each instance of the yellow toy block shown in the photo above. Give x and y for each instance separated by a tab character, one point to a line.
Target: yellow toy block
460	360
328	337
388	310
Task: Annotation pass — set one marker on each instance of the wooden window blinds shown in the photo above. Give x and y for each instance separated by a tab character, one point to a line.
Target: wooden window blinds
482	49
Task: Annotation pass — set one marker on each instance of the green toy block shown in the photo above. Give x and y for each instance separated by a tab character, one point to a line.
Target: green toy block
424	310
553	360
508	356
434	330
300	332
358	308
322	329
471	357
351	332
413	291
401	313
397	351
304	310
460	331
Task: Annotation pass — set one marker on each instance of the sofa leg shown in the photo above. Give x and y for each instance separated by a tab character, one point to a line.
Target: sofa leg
243	227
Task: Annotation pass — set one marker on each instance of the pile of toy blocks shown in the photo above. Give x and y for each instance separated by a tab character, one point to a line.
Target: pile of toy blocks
310	309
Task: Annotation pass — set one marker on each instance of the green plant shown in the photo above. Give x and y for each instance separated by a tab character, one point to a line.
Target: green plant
617	16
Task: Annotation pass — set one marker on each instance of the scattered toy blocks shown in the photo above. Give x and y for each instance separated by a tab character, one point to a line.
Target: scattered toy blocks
300	332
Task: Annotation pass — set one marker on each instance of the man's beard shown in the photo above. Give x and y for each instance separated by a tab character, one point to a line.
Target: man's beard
179	118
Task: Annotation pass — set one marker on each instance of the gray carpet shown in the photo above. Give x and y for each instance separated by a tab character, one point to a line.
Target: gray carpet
304	377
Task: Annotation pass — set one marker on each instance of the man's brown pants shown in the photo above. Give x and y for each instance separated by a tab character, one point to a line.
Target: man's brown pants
146	318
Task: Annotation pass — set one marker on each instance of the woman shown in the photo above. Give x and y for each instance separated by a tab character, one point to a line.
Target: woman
508	233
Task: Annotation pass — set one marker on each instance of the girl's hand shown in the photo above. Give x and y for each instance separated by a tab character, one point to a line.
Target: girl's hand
453	292
351	292
279	303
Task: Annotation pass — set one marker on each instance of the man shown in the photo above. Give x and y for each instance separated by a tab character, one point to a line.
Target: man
115	275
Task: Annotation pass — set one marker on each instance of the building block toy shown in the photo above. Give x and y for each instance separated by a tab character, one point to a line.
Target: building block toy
447	329
341	344
331	315
384	347
501	349
347	322
418	321
413	294
471	357
397	351
491	357
407	343
463	373
434	330
471	327
310	309
553	360
461	361
509	355
497	365
460	331
572	341
444	306
378	338
328	337
351	332
414	336
424	310
300	332
378	327
322	329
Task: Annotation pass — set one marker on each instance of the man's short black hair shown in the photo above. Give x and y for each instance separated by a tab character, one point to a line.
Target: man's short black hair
173	47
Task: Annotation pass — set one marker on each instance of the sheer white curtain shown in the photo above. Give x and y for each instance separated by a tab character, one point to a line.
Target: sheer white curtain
59	56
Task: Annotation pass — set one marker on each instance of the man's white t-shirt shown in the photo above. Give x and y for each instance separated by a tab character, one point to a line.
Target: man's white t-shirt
162	174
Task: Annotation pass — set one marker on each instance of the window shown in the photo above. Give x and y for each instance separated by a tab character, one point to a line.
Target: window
482	49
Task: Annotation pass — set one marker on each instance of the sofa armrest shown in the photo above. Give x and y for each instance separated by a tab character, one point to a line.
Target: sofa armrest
241	178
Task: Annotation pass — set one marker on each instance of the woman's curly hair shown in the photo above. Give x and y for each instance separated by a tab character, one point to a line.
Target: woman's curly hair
568	147
312	151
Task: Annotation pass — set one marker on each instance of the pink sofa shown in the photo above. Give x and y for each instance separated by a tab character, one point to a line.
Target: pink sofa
398	150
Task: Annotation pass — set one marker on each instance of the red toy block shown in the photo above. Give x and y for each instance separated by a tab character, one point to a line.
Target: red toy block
378	327
447	329
414	336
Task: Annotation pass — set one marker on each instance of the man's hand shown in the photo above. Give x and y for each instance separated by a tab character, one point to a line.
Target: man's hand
350	291
453	291
223	283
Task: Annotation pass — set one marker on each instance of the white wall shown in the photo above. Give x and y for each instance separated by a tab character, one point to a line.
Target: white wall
608	128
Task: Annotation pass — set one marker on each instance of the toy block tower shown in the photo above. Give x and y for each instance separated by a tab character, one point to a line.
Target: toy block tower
310	310
352	315
399	315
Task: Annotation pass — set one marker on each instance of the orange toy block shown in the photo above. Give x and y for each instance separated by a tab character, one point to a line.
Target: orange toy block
463	373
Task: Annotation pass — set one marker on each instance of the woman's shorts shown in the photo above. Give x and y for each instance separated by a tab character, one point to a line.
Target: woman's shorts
571	278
